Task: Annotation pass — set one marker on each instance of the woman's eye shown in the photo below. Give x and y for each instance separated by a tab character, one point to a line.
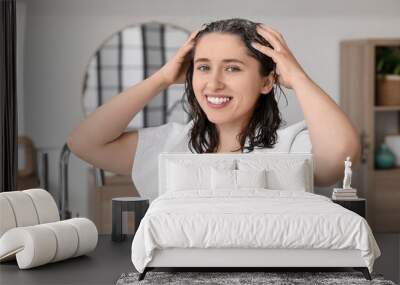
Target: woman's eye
229	68
233	68
201	67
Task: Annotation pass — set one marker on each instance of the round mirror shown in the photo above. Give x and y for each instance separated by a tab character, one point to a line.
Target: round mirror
128	57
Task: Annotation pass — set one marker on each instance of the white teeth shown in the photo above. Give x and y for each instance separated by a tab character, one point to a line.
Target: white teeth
216	100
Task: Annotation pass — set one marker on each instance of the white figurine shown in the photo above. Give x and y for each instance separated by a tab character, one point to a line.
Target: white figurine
347	174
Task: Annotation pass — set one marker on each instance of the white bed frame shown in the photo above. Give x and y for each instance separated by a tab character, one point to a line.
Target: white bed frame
250	257
253	257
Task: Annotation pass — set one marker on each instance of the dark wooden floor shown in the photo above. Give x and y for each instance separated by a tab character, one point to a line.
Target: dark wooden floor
104	265
110	259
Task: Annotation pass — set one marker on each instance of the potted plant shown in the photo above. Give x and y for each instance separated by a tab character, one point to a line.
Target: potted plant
388	76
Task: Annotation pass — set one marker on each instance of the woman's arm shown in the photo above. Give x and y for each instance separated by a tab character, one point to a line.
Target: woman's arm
110	120
332	134
100	138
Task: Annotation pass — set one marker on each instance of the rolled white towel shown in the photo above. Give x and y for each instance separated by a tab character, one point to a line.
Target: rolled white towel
87	235
41	244
33	246
26	208
45	205
7	218
23	208
67	240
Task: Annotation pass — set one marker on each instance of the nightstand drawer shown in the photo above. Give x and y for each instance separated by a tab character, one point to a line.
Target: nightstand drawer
357	205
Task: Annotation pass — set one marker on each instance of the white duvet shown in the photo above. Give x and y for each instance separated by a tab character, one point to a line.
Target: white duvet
251	218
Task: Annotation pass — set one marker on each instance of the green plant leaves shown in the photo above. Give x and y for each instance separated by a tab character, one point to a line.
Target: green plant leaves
388	60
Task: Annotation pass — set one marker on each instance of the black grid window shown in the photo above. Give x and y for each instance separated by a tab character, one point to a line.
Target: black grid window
127	58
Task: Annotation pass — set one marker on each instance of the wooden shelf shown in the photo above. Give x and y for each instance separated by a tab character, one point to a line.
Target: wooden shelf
374	122
390	178
386	108
394	170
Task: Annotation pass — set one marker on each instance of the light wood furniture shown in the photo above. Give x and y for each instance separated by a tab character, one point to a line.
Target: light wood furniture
357	99
100	200
27	176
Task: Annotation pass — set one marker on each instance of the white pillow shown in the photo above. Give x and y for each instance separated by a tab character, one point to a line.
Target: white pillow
294	179
251	178
223	179
237	179
184	174
282	174
181	177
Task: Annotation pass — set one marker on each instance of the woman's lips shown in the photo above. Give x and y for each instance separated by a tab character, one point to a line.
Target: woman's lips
218	106
218	95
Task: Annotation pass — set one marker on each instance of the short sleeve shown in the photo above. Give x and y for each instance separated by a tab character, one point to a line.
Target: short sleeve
301	142
151	142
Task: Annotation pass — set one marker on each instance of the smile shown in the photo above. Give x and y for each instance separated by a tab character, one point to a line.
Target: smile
218	102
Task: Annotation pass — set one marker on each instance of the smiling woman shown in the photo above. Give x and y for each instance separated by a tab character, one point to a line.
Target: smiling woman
231	70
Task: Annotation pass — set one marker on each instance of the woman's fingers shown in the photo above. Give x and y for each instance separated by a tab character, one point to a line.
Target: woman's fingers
193	35
275	33
271	38
188	45
266	50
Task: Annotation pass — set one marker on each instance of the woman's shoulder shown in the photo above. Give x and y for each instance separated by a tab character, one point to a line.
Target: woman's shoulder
292	130
171	136
292	138
166	129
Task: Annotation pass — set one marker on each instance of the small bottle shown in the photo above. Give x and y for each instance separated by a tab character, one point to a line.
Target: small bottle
384	157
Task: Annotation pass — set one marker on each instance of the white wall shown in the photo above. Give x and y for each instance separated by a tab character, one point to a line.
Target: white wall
61	36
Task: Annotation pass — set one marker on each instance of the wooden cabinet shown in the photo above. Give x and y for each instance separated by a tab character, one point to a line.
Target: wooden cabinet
100	196
381	188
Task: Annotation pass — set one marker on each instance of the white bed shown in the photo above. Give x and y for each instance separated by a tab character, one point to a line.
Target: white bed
201	220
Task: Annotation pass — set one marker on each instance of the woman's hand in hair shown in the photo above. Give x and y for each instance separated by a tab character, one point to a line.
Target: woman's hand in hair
174	71
287	67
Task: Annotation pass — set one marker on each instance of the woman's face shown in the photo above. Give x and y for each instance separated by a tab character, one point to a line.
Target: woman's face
223	68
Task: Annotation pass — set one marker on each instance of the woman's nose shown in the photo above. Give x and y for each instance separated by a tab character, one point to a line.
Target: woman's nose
215	81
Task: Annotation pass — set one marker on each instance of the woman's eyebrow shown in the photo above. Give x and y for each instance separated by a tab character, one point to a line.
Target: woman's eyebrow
224	60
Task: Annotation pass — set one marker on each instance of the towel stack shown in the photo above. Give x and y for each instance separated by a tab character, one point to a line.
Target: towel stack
344	194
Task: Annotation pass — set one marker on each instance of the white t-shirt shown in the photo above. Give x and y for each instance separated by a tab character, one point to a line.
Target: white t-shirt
174	137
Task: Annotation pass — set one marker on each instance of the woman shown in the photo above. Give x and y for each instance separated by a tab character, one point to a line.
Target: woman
240	61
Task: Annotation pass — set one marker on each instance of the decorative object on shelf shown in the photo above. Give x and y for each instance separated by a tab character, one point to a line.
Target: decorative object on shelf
388	76
393	143
347	174
384	158
347	192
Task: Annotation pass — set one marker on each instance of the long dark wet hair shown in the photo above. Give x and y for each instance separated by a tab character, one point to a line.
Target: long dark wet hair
266	118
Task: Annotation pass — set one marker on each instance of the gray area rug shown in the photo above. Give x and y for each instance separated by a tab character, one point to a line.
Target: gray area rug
229	278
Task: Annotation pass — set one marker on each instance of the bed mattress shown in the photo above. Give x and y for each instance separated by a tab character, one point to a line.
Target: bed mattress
253	218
